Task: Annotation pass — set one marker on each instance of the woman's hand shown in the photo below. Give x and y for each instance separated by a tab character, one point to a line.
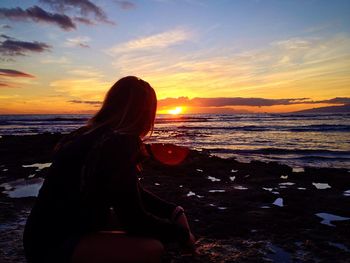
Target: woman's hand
189	248
180	218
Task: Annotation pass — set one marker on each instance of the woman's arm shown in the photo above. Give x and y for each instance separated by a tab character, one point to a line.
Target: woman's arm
176	214
122	189
136	219
155	204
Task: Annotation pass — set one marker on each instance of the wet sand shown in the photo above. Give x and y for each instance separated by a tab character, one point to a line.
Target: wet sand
240	212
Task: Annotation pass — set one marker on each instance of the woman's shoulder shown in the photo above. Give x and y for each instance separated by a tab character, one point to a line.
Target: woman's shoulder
68	140
110	135
117	146
119	141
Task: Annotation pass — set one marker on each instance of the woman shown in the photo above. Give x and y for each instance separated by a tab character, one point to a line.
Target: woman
92	190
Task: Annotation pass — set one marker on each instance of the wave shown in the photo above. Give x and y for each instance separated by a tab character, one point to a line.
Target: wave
59	119
323	128
306	128
282	151
182	119
43	122
324	158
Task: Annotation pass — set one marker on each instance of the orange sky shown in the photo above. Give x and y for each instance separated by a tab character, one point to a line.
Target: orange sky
226	49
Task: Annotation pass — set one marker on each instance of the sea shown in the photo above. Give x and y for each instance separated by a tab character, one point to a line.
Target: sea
299	140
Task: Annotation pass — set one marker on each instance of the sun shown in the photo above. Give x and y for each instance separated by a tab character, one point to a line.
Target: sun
175	111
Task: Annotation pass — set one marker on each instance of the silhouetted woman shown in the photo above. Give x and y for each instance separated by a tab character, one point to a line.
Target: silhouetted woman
92	190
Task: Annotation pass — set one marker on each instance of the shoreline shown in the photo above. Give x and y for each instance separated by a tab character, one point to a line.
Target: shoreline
295	140
242	212
295	158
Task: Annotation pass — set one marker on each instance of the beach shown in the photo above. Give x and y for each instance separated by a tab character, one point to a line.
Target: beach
243	107
240	212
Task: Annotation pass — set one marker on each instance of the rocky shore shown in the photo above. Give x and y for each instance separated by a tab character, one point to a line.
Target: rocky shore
240	212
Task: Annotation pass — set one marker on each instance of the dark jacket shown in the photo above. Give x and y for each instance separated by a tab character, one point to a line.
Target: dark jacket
92	179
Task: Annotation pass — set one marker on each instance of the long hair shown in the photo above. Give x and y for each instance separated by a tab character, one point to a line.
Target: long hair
129	107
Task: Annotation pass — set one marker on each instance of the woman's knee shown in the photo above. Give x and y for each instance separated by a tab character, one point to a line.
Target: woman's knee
118	248
155	249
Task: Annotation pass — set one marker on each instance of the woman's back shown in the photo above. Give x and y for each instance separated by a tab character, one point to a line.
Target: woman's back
73	199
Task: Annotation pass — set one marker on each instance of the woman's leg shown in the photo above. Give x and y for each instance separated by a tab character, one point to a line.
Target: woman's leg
189	246
116	247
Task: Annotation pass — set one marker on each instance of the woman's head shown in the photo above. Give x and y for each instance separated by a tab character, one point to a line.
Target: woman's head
129	107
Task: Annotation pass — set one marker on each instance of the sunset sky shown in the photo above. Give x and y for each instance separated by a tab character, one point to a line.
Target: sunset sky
61	56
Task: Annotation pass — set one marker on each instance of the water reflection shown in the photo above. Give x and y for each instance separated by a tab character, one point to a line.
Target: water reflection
321	186
328	218
217	191
213	179
278	202
22	187
38	166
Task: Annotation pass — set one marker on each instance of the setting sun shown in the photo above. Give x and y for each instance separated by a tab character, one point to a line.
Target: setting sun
176	110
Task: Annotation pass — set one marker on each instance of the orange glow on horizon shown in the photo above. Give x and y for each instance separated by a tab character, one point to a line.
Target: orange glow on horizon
176	111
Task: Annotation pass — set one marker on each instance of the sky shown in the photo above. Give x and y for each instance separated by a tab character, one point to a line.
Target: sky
214	56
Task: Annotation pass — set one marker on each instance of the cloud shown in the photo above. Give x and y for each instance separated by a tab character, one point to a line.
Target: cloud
293	44
14	73
84	20
56	60
321	67
87	87
7	76
91	102
83	83
4	85
226	102
85	8
161	40
86	72
230	102
337	100
13	47
37	14
79	41
5	26
126	5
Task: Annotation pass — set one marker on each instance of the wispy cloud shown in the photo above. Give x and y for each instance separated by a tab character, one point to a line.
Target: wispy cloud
338	100
87	72
190	2
293	43
5	26
90	102
79	41
84	83
10	78
297	66
14	47
84	20
63	60
37	14
4	85
14	73
229	102
126	5
225	102
160	40
80	11
84	8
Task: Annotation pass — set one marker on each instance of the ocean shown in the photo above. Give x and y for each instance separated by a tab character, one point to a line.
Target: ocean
299	140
